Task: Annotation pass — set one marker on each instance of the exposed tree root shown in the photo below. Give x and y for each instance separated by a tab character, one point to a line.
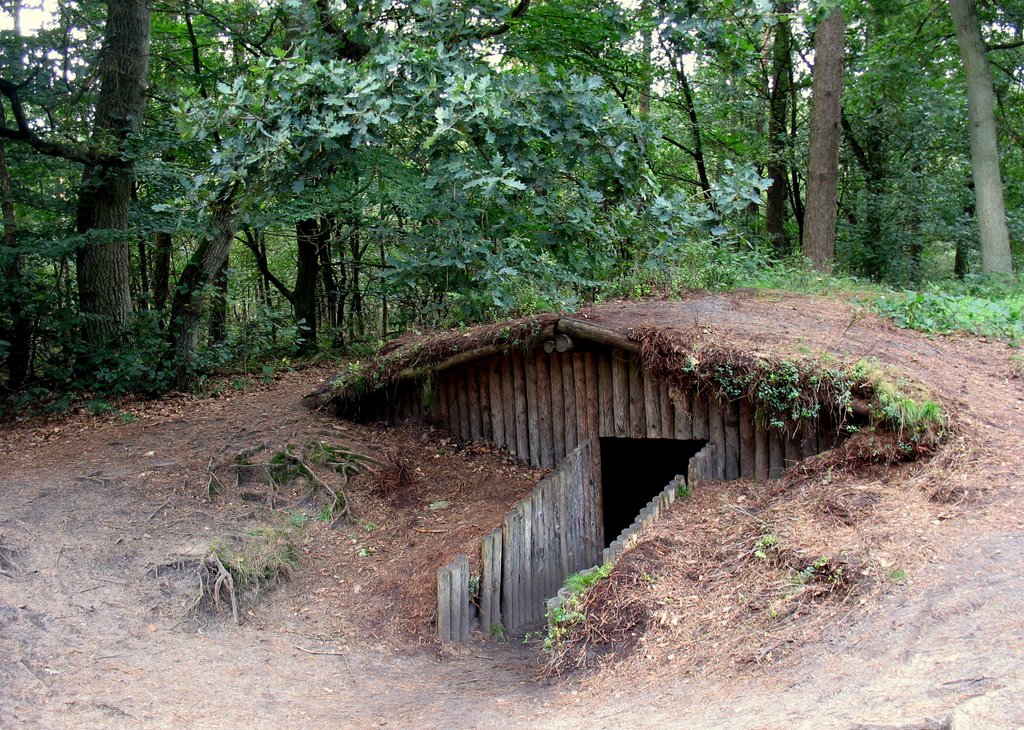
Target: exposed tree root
7	563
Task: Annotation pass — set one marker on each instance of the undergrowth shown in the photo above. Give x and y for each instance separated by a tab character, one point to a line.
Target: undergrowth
240	568
984	306
788	391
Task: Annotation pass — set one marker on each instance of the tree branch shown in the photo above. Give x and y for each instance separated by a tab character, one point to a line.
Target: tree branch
1004	46
24	133
517	12
264	267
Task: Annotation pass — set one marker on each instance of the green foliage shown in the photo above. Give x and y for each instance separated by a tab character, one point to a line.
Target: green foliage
991	307
579	582
897	403
261	558
765	546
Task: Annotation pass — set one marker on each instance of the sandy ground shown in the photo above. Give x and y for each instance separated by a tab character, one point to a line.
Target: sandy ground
88	640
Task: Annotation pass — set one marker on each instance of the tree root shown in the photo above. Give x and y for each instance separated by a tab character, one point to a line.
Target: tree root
215	579
7	564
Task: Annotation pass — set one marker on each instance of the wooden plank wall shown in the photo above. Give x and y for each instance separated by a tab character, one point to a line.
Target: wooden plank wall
541	406
453	604
554	532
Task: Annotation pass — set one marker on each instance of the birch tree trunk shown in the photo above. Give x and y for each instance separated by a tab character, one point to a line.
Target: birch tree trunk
819	242
988	185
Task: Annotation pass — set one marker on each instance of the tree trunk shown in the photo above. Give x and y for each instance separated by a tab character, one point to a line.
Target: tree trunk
327	271
104	262
988	186
819	243
219	312
19	336
782	61
308	235
696	138
162	270
202	267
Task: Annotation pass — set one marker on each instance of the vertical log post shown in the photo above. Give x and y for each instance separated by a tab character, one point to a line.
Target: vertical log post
716	430
637	427
521	409
496	401
731	415
700	416
748	452
682	405
570	410
557	407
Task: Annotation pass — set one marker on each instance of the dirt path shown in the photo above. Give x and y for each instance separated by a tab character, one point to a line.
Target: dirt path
86	639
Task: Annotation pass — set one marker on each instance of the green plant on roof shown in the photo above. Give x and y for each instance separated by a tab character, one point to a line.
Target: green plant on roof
897	403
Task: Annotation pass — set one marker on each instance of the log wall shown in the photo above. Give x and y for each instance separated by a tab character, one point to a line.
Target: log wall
546	537
540	406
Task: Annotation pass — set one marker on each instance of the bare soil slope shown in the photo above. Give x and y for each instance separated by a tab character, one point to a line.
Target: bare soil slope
89	507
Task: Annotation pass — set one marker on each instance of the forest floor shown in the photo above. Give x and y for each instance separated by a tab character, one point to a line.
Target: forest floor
95	512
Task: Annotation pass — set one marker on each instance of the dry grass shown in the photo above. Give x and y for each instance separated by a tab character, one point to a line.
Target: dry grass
742	572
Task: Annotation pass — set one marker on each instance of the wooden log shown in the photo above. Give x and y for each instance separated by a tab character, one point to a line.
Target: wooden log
529	603
471	383
563	523
716	430
776	454
459	382
590	367
521	408
808	438
444	603
652	405
747	451
637	427
711	460
571	533
586	508
509	574
579	509
549	346
668	429
620	396
593	466
569	409
486	418
682	414
563	342
557	407
495	579
496	402
552	535
587	331
460	594
454	419
579	376
486	585
508	404
792	447
700	416
441	397
538	548
546	437
760	452
486	596
731	414
605	390
530	373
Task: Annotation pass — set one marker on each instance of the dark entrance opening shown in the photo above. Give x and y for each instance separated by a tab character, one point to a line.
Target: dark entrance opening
633	471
